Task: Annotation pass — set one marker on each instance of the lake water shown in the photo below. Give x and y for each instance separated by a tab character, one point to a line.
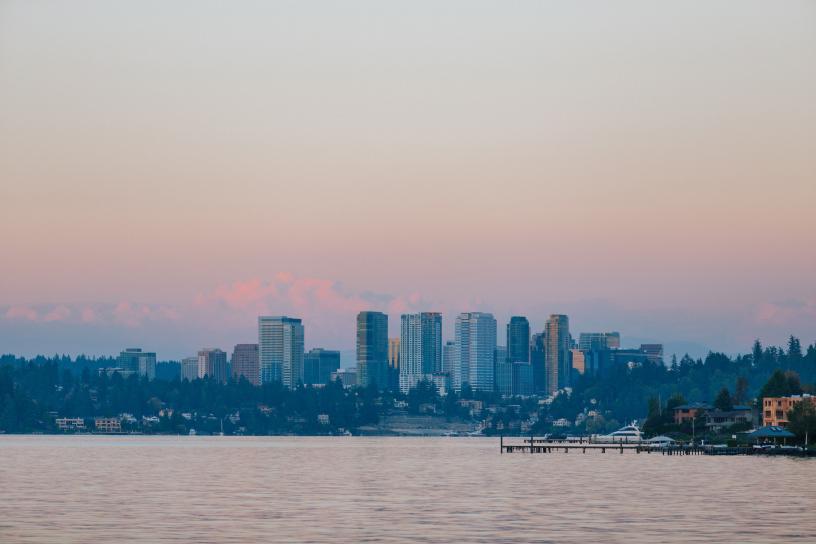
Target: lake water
223	489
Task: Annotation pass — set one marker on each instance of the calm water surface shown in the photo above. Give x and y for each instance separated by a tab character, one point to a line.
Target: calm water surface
221	489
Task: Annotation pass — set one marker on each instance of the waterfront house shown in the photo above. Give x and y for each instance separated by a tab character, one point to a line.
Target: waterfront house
66	424
688	412
717	420
108	425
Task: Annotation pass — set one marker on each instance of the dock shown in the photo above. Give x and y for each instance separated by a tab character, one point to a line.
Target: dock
534	445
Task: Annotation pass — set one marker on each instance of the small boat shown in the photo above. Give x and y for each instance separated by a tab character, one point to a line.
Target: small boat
660	442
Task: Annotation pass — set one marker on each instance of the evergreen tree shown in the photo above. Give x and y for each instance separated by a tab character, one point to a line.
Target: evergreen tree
724	401
794	348
802	420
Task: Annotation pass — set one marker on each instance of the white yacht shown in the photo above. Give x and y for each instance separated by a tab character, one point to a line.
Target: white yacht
629	433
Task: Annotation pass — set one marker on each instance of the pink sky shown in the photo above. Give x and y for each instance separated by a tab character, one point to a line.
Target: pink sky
167	175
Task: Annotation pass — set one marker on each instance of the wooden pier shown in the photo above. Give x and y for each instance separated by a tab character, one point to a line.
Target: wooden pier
582	445
543	445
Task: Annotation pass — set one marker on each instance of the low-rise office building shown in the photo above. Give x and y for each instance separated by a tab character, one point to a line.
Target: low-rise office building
775	410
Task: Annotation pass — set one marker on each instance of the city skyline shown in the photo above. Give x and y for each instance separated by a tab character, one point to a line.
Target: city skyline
543	363
627	166
445	323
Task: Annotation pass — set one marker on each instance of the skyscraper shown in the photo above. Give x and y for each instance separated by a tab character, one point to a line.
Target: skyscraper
449	358
318	365
500	355
280	350
393	353
475	351
212	362
502	371
245	363
522	378
189	368
420	348
538	361
518	339
504	378
372	349
139	362
393	363
598	341
557	353
579	360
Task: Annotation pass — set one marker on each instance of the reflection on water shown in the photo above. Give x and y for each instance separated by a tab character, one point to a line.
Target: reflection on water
223	489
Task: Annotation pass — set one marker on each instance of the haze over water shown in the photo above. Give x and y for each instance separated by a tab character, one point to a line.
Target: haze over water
227	489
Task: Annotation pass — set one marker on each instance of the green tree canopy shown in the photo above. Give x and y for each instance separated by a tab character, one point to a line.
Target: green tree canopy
724	401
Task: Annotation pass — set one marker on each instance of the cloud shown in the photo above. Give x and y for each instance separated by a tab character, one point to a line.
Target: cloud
88	315
21	312
134	315
406	304
787	313
284	293
224	315
326	306
60	313
242	294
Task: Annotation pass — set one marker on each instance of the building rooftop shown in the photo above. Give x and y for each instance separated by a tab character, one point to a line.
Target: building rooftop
707	406
771	431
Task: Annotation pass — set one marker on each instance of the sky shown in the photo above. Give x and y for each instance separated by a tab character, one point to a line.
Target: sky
171	170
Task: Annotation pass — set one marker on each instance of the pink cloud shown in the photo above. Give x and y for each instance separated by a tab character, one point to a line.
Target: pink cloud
326	307
284	293
405	304
21	312
786	313
134	315
306	294
60	313
88	315
242	294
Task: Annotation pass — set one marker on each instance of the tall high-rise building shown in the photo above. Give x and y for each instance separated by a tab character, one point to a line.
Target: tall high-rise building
523	379
420	348
502	371
579	360
372	349
245	363
318	365
393	363
518	339
449	358
280	350
504	378
393	353
139	362
557	352
212	362
538	356
189	368
598	341
500	355
475	351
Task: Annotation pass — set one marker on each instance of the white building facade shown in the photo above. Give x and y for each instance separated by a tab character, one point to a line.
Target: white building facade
280	350
475	351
